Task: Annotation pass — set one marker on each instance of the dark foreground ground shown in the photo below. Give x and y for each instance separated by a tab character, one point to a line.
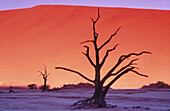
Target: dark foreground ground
125	99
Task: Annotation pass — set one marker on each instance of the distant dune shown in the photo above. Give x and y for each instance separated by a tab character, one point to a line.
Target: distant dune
79	85
52	35
157	85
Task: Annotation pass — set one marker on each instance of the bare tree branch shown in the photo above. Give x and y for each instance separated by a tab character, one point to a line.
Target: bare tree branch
88	56
121	74
116	78
97	17
113	74
123	68
127	66
40	73
45	74
109	39
75	72
139	73
45	69
94	29
107	53
48	74
86	41
121	59
134	67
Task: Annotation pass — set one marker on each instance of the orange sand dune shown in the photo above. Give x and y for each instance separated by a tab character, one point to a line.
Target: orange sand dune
51	35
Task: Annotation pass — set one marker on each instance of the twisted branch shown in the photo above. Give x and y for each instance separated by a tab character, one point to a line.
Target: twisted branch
121	59
107	53
109	39
86	41
45	74
70	70
123	68
121	74
94	22
139	73
88	57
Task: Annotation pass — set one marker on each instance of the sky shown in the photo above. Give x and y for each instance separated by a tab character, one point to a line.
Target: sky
42	34
146	4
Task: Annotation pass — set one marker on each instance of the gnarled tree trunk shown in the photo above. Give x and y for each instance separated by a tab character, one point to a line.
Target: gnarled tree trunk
45	84
99	96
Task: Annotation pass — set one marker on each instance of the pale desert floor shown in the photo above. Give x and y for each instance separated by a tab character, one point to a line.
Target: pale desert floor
126	100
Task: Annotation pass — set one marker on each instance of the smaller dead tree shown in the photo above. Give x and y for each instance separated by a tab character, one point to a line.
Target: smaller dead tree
44	75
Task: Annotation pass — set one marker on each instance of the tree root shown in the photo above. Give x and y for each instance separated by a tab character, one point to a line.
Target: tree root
89	103
110	106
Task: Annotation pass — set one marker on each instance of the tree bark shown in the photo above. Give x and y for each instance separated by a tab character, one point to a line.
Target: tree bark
99	99
45	84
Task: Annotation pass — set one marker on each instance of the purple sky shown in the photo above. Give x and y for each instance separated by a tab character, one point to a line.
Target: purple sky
146	4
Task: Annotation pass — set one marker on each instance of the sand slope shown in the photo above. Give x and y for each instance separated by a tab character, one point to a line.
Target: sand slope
51	35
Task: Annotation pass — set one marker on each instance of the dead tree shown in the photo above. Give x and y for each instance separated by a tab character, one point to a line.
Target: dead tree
98	98
44	75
